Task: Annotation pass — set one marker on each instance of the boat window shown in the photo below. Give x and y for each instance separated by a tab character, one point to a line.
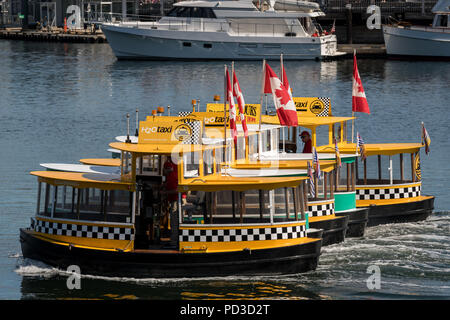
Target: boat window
66	202
148	165
248	45
442	21
252	144
336	130
273	46
207	45
229	151
208	162
344	138
382	169
235	207
187	44
191	12
322	137
275	138
126	162
240	148
266	141
191	164
218	154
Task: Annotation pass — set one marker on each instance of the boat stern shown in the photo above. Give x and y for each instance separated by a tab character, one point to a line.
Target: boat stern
328	47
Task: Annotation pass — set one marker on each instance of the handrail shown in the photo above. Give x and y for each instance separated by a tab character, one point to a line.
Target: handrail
292	28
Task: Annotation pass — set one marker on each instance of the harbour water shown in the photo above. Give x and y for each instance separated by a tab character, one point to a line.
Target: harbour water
62	102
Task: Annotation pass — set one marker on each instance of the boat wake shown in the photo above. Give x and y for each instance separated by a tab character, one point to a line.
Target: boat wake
413	259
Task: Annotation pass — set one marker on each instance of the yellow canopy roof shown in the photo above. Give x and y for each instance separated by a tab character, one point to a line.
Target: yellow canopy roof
308	122
109	162
219	182
159	149
82	180
388	149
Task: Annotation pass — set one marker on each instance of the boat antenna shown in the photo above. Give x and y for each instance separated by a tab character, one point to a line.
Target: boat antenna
128	129
168	110
137	123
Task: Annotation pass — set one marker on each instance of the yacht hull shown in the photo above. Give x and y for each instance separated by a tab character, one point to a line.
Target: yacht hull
171	263
147	44
420	42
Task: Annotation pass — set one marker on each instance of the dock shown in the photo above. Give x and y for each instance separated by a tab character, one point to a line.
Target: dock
372	51
53	35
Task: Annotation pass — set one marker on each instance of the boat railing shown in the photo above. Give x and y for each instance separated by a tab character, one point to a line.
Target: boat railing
248	29
428	29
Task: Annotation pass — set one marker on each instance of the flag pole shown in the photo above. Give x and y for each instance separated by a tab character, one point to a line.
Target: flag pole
225	114
353	124
281	67
353	79
282	81
232	97
263	81
262	89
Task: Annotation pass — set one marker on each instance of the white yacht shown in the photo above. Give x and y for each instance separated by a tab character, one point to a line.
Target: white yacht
225	30
421	41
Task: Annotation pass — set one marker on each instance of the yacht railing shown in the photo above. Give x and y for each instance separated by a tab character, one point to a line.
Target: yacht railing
429	29
248	29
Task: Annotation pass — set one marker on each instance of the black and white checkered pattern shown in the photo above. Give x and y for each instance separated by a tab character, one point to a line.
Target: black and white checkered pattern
321	210
184	113
196	128
82	231
388	193
326	102
237	235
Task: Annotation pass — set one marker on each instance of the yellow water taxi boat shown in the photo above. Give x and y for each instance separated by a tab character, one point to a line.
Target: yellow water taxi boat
391	188
390	196
128	225
261	156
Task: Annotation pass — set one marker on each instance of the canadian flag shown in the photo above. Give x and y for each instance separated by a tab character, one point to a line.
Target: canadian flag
230	100
285	79
359	100
287	114
241	103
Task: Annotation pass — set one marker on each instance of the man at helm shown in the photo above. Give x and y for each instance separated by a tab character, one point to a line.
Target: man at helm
306	138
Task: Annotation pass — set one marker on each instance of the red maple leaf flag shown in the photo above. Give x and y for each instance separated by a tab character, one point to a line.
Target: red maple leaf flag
285	80
287	114
232	106
241	103
359	100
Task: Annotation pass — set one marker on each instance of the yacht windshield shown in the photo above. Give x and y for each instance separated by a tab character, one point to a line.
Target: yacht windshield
192	12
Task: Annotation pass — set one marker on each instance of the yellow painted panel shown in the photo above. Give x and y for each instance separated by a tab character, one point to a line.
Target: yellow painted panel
385	202
97	244
377	148
218	182
322	218
241	245
246	226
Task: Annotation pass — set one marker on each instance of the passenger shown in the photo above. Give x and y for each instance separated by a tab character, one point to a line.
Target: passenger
197	204
170	170
306	138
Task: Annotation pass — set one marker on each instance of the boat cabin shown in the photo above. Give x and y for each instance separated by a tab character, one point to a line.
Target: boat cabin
441	14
